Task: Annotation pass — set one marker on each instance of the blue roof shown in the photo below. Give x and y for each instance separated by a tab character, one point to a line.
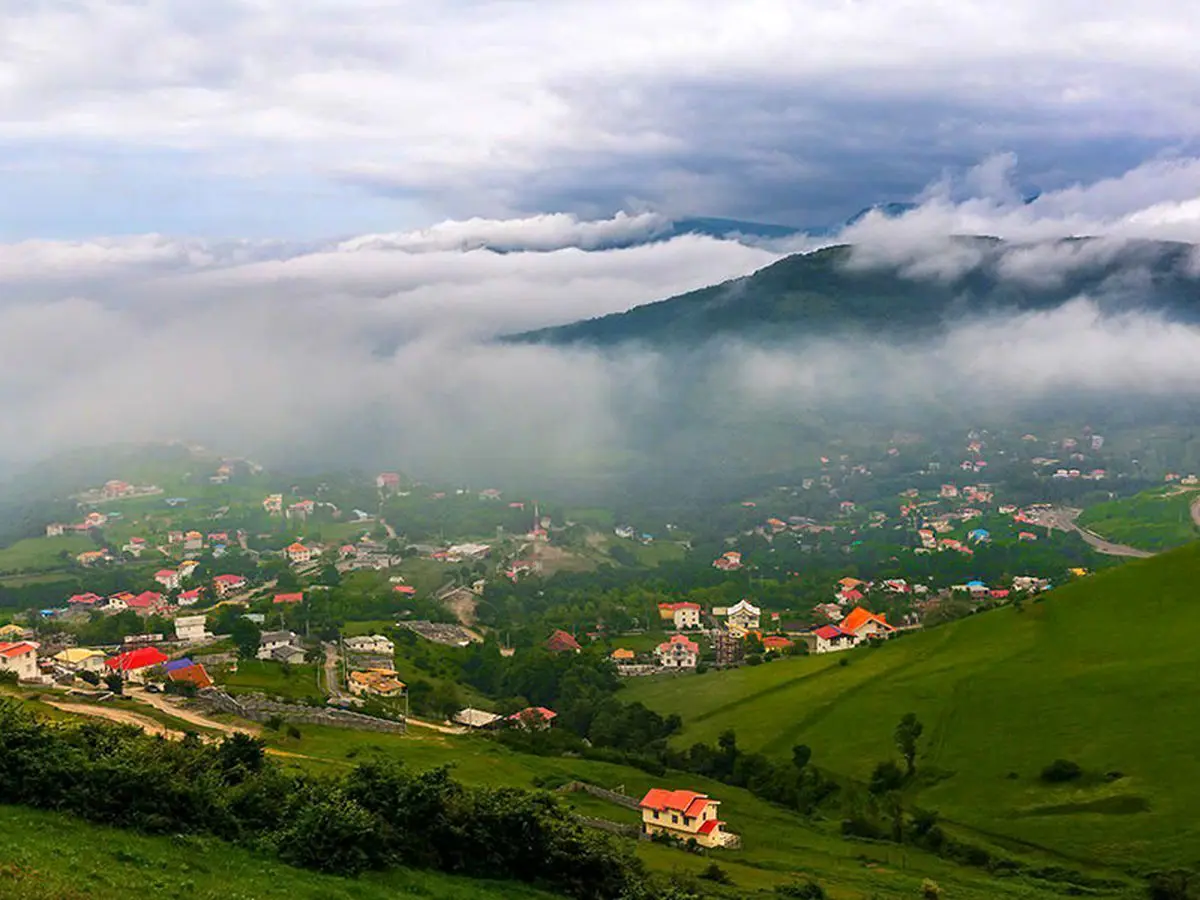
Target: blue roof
178	664
976	584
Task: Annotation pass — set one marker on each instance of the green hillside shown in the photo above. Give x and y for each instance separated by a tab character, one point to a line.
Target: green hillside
817	292
1153	520
50	856
1101	672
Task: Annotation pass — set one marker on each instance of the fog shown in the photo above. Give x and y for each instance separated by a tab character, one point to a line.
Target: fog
379	350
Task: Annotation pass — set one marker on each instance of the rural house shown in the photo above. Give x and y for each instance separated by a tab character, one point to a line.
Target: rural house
137	665
285	641
80	659
683	614
372	643
184	671
228	584
685	815
561	642
864	624
20	658
830	639
191	628
377	682
297	553
533	718
743	617
168	578
679	652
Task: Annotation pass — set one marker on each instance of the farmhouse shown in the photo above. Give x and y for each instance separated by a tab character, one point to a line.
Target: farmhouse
679	652
20	658
376	682
621	655
685	815
830	639
533	718
184	671
228	584
863	624
80	659
189	598
476	718
683	614
137	665
372	643
191	628
146	603
281	646
298	553
775	643
561	642
168	578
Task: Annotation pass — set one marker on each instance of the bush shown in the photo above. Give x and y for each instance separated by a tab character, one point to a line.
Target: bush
7	677
887	777
930	889
1061	771
803	890
714	873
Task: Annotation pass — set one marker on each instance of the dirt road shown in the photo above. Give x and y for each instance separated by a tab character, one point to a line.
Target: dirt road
1196	511
1063	519
121	716
187	715
433	726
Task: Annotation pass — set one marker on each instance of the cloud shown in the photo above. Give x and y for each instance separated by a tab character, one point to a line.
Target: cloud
776	108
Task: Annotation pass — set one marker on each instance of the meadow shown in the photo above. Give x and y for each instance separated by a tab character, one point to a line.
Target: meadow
1099	672
43	554
1160	519
297	682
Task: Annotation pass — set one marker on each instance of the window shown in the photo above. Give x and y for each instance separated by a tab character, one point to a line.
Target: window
656	814
674	819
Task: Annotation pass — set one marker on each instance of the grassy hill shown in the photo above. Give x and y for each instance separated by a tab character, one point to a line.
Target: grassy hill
50	856
819	292
1100	672
1153	520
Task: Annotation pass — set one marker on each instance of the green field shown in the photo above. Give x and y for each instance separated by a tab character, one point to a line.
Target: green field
1153	520
1101	672
294	683
43	554
51	856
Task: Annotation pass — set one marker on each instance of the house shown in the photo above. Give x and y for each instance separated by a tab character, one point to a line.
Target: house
743	616
387	481
561	642
298	554
193	540
21	658
10	632
190	598
979	536
273	504
406	589
625	532
373	643
80	659
147	603
678	652
685	815
88	599
270	641
830	639
849	595
228	584
191	628
533	718
863	624
174	537
55	529
137	665
377	682
91	557
476	718
684	614
728	562
291	655
347	551
621	655
167	578
184	671
775	643
289	598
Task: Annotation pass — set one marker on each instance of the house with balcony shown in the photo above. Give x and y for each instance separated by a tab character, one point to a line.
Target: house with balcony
685	815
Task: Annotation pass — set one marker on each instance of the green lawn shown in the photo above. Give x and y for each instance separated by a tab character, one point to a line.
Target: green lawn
1100	672
1153	520
294	683
52	856
43	554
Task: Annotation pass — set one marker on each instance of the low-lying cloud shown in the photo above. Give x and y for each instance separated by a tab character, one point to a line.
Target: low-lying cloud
378	349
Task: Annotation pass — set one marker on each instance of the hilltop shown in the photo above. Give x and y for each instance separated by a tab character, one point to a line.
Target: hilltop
1099	672
846	289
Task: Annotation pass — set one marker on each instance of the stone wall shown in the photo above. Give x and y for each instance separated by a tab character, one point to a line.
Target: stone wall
259	708
574	787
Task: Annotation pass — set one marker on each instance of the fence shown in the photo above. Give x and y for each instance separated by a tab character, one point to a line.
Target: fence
259	708
577	787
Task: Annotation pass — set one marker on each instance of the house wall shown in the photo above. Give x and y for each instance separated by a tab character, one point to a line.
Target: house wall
24	665
687	618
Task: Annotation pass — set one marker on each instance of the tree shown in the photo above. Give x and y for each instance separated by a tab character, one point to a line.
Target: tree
246	636
114	683
908	732
887	777
801	754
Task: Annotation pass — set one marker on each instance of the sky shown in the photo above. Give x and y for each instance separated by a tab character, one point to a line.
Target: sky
269	119
294	229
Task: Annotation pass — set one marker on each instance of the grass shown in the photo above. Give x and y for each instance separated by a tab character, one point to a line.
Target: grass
1101	672
1153	520
296	683
43	554
52	856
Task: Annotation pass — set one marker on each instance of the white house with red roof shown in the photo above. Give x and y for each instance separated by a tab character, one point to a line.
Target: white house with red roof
146	603
685	815
678	652
84	600
227	584
21	658
533	718
168	578
136	665
190	598
864	624
298	553
830	639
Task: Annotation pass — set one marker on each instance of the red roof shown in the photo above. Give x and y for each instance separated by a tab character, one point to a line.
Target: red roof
404	589
11	651
689	803
689	644
829	632
193	594
710	826
289	598
560	641
144	600
683	604
230	579
776	642
195	673
165	573
852	595
141	658
86	599
540	711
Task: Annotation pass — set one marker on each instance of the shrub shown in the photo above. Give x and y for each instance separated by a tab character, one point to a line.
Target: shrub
886	777
930	889
1061	771
714	873
803	890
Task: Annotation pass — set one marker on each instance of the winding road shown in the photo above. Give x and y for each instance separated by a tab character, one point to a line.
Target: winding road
1063	519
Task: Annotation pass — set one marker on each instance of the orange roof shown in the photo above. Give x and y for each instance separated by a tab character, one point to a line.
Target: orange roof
689	803
850	582
11	651
859	617
622	653
297	548
775	642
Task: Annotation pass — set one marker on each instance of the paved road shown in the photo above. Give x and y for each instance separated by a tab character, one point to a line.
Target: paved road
1063	519
332	682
